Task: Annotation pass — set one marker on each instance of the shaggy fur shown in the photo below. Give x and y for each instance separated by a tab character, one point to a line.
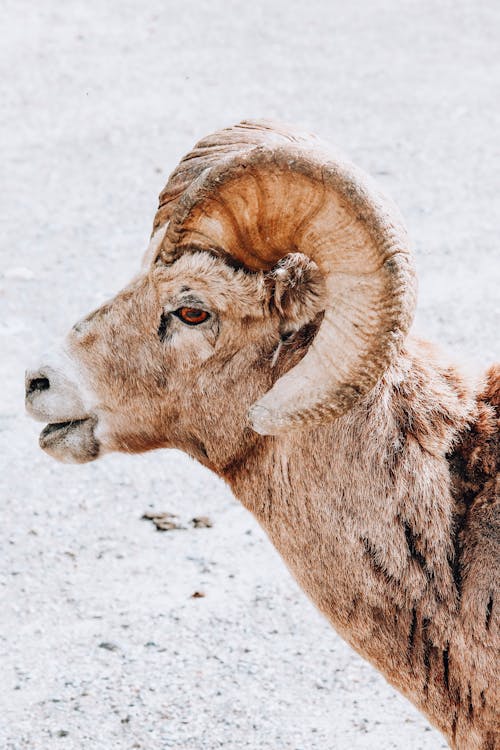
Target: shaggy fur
403	565
387	516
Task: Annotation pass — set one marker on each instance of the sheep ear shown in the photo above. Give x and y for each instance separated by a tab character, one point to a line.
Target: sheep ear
297	291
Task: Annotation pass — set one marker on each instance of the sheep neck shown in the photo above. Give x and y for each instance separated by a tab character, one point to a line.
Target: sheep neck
362	512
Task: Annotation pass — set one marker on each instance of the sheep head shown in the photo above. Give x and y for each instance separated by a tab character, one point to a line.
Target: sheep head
276	290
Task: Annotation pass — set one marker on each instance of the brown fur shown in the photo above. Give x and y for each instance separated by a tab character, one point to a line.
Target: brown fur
387	516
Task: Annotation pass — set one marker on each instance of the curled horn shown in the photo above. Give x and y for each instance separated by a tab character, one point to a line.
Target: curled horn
255	193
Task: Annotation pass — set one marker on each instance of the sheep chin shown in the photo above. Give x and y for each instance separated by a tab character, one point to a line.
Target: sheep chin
71	442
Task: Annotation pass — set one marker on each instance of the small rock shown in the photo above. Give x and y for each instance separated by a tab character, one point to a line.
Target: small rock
62	733
202	522
19	272
197	595
109	646
163	521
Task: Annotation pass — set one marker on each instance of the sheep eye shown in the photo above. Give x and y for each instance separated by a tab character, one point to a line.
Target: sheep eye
193	316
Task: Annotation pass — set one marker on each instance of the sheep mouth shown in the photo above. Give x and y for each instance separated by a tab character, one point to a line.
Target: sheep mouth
55	426
72	441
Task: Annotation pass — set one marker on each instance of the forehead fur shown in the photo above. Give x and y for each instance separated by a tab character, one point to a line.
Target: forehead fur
217	284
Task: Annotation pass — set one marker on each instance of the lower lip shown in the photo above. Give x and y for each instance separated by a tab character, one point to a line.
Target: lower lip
71	442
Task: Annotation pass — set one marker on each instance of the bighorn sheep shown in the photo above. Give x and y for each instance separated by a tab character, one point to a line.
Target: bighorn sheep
267	336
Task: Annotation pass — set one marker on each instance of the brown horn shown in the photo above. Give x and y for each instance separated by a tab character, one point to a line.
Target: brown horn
258	193
211	149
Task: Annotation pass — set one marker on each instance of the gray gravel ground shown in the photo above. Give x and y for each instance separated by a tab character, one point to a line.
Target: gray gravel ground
101	644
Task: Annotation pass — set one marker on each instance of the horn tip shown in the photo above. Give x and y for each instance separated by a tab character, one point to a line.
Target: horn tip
262	421
267	422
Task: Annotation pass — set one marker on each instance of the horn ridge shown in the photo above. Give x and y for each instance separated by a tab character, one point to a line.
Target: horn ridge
263	192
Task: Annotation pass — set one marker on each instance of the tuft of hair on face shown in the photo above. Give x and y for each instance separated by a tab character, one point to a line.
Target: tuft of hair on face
297	291
226	287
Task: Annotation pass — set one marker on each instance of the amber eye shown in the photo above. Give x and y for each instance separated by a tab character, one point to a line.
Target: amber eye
193	316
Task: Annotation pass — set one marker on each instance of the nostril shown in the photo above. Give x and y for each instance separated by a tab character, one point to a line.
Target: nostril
38	384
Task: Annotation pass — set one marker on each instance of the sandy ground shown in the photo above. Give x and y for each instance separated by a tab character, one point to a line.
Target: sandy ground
101	644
